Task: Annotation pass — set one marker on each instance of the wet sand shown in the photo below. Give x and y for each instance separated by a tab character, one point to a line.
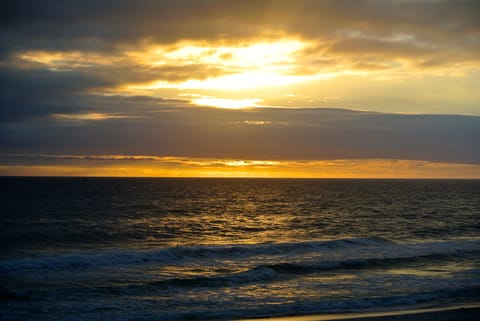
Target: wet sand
464	313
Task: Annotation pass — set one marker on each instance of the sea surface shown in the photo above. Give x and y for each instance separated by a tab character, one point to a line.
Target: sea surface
226	249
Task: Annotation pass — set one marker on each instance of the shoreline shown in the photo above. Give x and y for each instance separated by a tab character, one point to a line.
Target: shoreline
452	313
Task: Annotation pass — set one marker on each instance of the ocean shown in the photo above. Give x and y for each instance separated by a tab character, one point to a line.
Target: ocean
227	249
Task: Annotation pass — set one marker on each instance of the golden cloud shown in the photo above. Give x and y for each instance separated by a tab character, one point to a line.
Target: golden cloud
155	166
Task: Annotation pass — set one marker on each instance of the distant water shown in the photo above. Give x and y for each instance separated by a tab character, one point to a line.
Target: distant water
223	249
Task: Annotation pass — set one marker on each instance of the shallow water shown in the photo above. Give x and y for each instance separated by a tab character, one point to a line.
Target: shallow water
207	249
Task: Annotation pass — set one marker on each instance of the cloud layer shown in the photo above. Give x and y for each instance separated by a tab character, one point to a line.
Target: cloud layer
113	22
154	166
261	133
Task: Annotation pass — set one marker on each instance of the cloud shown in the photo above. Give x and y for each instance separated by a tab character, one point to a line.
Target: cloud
379	29
273	134
116	21
86	117
36	93
39	93
125	165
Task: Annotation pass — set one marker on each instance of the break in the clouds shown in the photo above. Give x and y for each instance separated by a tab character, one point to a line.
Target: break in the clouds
321	80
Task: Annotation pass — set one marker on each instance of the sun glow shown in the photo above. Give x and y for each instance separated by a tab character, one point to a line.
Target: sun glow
245	66
86	116
240	81
226	103
246	55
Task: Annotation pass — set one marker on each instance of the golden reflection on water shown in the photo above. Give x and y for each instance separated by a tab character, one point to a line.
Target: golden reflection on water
445	270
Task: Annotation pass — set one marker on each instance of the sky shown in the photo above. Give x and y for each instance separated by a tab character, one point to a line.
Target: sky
273	88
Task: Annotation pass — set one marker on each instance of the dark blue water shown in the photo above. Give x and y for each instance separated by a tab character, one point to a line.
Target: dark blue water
223	249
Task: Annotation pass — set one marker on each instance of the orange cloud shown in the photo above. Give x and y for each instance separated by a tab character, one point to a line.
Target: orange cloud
155	166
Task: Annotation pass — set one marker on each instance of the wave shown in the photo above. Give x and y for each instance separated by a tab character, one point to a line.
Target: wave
325	255
281	271
97	258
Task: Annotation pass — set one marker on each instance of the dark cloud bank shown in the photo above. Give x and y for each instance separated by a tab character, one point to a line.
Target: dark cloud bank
409	28
250	134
